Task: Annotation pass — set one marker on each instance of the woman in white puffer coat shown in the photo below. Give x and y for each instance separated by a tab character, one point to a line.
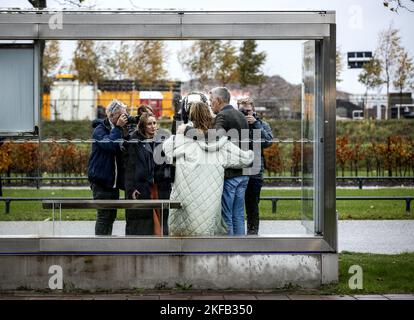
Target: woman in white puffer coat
199	175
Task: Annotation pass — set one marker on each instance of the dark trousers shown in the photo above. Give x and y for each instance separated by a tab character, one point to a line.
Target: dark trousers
140	221
164	192
251	200
104	217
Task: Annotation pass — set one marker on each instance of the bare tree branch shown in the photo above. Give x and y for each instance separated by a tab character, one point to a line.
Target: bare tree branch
134	5
395	5
75	3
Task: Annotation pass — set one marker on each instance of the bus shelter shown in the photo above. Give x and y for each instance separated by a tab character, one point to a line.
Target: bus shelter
204	262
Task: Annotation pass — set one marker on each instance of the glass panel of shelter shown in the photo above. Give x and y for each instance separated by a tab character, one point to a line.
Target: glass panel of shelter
68	158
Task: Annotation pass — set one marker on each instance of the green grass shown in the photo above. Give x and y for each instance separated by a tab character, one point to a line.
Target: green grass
286	210
32	210
381	274
290	210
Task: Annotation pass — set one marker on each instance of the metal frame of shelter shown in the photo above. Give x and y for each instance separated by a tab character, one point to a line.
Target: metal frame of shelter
191	25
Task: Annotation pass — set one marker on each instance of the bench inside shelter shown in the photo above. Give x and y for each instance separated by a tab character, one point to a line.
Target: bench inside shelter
59	204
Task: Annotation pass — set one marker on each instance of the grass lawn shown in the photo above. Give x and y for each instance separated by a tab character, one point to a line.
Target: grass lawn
348	210
286	210
381	274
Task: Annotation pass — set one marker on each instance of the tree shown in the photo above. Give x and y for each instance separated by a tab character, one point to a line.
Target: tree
370	77
404	73
387	53
51	61
6	159
395	5
343	152
41	4
226	63
201	60
273	158
148	59
119	61
339	65
249	64
87	61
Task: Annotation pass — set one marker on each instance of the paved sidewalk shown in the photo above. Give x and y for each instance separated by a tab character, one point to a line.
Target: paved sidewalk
194	295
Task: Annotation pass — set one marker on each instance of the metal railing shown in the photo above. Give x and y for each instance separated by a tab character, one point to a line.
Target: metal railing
407	200
359	180
273	199
109	204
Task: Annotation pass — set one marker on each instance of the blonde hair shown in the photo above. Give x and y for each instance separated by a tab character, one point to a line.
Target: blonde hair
245	101
200	116
142	124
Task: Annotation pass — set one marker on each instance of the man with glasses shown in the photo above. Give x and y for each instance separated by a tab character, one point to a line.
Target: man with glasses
254	186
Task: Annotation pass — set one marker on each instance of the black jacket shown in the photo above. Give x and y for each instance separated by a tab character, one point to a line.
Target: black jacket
266	137
229	118
140	167
106	156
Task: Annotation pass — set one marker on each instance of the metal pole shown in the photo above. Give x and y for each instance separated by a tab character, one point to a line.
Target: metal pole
162	219
274	205
60	218
53	217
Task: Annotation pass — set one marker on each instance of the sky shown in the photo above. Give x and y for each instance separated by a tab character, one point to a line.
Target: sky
358	25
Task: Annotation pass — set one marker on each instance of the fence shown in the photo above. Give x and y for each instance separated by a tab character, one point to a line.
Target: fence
65	181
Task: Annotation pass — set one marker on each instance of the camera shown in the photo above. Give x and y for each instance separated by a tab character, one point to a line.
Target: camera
246	113
132	119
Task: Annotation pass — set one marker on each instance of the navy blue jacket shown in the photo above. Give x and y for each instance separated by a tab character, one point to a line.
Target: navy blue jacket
266	137
106	150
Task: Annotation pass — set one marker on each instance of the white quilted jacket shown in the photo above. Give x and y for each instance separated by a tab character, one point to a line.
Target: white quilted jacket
198	184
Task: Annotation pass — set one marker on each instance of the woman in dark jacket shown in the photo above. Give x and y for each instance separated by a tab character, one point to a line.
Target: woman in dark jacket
139	168
144	178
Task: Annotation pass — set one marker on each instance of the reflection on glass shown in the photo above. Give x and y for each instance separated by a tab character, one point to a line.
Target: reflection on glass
307	134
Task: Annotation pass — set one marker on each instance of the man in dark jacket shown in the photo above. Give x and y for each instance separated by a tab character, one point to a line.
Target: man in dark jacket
105	163
232	123
260	136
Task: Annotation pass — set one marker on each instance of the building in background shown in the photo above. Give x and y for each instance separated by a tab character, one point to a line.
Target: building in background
68	100
401	105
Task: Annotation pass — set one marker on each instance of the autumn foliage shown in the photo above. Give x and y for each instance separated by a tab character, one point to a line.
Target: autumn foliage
394	156
273	159
54	158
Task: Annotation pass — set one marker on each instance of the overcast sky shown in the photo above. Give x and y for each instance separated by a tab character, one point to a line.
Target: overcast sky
358	25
